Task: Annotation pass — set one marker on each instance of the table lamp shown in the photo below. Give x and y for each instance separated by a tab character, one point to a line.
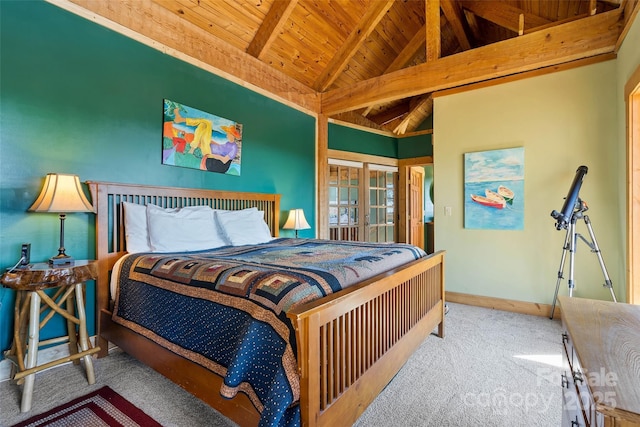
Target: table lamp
296	221
61	193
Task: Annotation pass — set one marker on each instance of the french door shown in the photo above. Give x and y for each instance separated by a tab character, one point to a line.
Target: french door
346	220
362	201
381	221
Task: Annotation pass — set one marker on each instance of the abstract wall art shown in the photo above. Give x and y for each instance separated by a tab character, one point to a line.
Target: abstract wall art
195	139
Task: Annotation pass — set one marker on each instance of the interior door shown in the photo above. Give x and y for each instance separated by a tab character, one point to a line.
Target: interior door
416	206
345	198
382	201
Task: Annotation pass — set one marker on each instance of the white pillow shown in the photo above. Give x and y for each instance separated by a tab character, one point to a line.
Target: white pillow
135	228
244	227
186	229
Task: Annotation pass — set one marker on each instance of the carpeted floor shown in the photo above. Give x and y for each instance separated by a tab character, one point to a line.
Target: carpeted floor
493	369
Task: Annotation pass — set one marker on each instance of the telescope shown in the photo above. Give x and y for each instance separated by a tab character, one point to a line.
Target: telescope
572	210
563	218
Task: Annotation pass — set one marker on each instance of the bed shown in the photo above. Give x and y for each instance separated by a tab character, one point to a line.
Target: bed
348	344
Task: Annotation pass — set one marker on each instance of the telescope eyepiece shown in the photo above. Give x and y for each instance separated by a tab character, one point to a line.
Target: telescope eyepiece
561	221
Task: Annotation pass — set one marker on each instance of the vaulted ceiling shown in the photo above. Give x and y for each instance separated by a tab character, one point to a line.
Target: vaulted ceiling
374	63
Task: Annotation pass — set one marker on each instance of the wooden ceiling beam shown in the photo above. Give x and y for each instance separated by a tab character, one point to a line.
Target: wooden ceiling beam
349	48
391	114
423	108
630	9
270	27
503	14
356	119
157	27
409	51
416	43
590	36
455	17
432	22
473	24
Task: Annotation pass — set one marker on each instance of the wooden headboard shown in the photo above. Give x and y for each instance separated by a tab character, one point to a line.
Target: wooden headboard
107	198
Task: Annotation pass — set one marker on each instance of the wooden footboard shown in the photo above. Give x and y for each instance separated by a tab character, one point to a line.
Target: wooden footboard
351	344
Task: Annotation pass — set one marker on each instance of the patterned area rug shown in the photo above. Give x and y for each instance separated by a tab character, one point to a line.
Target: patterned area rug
103	407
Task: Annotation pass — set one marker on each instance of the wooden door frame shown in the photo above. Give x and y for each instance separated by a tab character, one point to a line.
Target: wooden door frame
404	171
632	101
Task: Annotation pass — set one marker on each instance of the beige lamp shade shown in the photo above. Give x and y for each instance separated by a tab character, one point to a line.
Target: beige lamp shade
61	193
296	221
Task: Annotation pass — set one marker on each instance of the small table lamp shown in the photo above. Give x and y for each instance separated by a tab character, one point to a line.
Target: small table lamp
61	193
296	221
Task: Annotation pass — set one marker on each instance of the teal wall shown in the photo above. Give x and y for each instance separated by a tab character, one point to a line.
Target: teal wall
347	139
78	98
415	146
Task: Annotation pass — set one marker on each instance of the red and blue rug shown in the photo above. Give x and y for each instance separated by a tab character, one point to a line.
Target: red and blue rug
102	407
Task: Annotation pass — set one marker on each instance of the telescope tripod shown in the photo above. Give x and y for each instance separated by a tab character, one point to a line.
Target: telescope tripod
570	246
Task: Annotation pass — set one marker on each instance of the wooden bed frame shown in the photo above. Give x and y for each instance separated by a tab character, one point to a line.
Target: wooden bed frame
350	344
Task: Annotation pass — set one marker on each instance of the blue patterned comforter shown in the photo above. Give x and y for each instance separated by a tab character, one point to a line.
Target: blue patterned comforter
226	308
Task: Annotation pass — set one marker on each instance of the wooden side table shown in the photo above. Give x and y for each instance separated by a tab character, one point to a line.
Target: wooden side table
34	308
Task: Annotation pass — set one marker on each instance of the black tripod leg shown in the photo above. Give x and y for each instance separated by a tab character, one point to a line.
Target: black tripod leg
565	248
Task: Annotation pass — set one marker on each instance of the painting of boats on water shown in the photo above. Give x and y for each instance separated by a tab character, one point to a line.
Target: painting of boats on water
494	189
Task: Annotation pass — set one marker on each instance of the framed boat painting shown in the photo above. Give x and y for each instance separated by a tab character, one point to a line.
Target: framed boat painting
195	139
494	189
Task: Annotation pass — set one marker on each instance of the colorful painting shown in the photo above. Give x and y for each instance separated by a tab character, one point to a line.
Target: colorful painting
194	139
494	189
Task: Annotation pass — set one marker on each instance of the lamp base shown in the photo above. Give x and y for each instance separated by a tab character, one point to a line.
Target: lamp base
61	260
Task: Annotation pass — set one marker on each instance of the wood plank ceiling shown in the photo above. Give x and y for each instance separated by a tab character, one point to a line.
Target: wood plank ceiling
374	63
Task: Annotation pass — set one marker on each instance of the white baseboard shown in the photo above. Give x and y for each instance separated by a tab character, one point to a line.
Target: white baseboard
44	356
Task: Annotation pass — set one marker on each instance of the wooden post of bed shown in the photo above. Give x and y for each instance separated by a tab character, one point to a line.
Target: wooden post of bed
351	344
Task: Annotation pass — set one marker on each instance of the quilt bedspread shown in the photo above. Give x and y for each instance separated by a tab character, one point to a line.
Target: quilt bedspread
226	308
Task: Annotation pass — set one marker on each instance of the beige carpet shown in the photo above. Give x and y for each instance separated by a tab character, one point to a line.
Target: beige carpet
492	369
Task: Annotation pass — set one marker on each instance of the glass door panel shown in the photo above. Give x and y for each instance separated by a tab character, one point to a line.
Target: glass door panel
350	218
344	203
382	206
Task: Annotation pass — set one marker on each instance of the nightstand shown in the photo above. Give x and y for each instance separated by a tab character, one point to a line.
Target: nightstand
34	308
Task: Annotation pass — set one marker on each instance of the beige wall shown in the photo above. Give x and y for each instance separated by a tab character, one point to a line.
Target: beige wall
563	120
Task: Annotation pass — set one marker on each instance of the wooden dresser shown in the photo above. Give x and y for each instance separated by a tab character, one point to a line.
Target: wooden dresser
601	381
